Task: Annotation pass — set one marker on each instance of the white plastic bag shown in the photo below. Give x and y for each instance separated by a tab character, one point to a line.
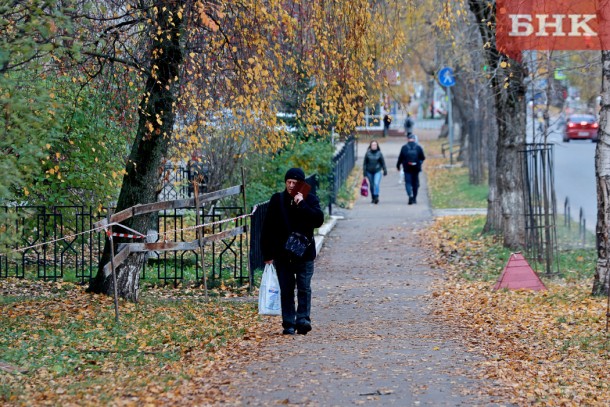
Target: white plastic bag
269	294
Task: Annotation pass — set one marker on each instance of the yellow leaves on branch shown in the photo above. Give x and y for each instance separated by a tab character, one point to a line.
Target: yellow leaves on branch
243	71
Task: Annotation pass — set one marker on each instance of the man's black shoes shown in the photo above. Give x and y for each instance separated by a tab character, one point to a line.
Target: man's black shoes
411	201
302	329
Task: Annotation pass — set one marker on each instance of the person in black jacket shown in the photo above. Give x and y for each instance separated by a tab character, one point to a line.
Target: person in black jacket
408	124
411	158
291	211
387	120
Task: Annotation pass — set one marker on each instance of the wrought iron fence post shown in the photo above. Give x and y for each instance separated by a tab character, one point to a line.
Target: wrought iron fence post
332	197
566	213
581	226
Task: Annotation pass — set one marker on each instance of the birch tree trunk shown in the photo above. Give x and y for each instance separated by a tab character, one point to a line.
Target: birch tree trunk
602	171
510	110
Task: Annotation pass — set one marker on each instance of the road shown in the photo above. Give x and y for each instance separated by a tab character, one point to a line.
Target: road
574	167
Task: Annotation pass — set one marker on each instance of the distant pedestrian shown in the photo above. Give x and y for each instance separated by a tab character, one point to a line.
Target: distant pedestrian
410	159
291	218
409	123
373	167
387	120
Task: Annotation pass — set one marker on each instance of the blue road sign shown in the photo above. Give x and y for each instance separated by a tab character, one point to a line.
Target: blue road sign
445	77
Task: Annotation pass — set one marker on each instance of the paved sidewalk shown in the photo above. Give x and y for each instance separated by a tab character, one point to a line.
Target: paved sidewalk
375	340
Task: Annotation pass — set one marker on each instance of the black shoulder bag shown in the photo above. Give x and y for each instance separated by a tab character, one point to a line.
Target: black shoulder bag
297	242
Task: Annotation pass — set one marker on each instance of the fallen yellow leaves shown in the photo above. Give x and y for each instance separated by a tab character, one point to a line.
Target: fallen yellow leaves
60	346
546	348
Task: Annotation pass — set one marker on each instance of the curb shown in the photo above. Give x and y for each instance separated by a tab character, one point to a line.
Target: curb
324	230
459	212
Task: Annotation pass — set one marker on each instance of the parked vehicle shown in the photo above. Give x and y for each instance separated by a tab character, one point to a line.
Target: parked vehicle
581	127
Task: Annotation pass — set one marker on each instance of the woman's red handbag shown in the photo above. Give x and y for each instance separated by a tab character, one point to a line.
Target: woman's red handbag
364	188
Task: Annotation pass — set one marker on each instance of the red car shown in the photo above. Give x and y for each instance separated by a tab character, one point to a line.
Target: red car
581	127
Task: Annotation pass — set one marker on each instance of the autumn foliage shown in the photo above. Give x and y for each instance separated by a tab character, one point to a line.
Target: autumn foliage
540	348
62	346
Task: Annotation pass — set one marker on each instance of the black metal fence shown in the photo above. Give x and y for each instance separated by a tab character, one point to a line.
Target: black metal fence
581	233
343	164
540	205
223	259
59	243
53	242
177	180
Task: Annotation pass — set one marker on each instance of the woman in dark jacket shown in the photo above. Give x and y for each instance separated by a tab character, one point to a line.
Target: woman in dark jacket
373	166
292	211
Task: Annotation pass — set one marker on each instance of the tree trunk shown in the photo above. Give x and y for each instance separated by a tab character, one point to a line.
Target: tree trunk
476	161
493	222
156	121
602	171
469	117
509	96
511	137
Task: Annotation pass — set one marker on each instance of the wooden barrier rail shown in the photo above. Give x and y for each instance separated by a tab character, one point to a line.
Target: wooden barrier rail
125	249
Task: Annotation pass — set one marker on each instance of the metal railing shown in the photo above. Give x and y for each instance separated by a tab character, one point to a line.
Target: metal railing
58	243
343	164
540	205
177	180
582	224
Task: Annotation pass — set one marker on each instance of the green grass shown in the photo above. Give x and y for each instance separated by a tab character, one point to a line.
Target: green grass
482	257
70	334
451	188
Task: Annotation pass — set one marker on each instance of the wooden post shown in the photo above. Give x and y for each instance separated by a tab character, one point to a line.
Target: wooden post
199	231
111	241
243	194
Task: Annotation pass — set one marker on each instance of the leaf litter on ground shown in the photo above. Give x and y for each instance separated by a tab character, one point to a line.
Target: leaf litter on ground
545	348
61	346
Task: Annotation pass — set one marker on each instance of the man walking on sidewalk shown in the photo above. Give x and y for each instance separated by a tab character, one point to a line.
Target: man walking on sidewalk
411	158
408	125
287	241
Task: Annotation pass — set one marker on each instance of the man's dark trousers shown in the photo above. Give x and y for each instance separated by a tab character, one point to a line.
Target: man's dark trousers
412	184
291	273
